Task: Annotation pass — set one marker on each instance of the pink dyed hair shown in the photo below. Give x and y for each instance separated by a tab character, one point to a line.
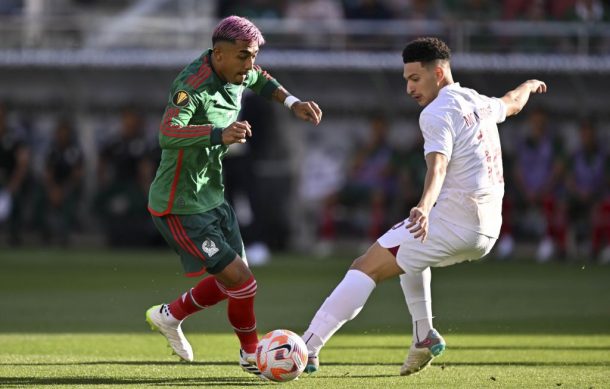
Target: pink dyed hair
234	28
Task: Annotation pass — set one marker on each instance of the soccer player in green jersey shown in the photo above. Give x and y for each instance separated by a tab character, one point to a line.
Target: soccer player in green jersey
186	198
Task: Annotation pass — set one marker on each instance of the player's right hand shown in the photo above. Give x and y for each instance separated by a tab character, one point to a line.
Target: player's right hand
418	223
308	110
236	132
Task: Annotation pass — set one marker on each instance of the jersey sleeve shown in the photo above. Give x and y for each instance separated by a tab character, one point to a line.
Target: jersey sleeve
175	131
498	108
261	82
438	136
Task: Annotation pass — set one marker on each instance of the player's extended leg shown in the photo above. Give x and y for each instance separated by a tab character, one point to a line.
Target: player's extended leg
348	298
427	342
184	234
238	282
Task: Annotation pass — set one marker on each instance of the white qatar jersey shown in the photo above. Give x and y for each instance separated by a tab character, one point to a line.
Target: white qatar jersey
462	124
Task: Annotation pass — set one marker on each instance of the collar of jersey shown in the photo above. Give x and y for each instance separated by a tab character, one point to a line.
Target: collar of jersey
454	85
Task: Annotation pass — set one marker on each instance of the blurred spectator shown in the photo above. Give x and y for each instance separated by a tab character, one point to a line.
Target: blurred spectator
272	9
317	10
587	186
311	19
370	183
589	11
11	7
526	10
539	167
410	167
367	9
559	9
424	10
254	196
125	171
321	175
483	11
61	185
530	11
477	10
600	242
14	169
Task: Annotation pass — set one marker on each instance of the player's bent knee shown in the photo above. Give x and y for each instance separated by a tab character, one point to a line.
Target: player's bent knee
235	274
377	263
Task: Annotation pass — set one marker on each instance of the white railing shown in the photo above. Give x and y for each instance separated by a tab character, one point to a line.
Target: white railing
174	32
171	41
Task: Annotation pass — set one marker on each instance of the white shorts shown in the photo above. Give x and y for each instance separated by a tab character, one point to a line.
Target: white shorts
446	244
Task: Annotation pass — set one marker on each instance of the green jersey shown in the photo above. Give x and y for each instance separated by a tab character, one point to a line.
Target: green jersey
189	177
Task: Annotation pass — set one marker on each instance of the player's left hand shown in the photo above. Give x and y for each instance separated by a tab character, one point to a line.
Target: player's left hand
308	111
536	86
418	223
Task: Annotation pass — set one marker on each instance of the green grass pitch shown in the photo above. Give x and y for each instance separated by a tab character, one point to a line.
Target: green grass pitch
76	319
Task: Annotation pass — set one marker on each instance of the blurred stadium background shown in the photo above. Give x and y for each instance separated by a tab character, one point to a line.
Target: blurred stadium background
84	84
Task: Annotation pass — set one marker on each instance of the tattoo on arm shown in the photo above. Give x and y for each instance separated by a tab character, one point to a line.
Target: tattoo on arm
280	95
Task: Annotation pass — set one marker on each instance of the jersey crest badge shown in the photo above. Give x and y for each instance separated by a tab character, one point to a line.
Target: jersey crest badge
181	98
209	247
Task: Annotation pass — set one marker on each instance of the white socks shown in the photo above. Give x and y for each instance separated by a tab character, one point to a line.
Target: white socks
343	304
416	288
348	298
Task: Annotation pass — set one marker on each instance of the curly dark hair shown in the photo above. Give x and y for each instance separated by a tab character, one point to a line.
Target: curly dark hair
426	50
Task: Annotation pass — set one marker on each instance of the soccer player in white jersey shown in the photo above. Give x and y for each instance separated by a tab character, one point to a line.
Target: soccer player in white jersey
459	215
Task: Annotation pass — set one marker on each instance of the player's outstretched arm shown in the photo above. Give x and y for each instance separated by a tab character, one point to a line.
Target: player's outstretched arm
304	110
516	99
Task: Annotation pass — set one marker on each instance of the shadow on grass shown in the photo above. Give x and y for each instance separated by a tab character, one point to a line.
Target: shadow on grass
172	382
126	363
520	347
446	364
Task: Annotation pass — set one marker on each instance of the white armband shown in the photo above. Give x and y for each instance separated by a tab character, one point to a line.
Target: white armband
290	100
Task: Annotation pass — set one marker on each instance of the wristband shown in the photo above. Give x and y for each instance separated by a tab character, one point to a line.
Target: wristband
289	101
216	136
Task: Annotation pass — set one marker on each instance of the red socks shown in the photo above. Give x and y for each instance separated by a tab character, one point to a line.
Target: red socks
240	309
205	294
241	313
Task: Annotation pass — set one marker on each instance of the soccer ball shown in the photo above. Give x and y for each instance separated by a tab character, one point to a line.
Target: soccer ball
281	355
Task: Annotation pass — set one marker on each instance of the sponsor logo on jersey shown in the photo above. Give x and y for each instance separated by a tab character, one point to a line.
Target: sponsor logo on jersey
209	247
181	98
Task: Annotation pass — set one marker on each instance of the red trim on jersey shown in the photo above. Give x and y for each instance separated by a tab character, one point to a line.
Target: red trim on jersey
188	240
176	131
172	193
203	73
184	133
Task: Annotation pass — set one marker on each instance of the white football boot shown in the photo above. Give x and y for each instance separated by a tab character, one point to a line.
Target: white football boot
421	354
160	319
248	363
